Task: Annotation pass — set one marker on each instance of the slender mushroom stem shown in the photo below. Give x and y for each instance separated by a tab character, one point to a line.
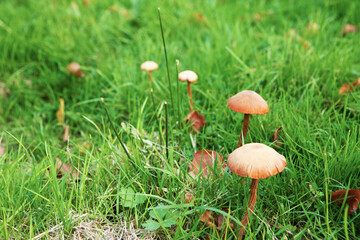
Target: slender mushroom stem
190	96
251	206
150	79
245	129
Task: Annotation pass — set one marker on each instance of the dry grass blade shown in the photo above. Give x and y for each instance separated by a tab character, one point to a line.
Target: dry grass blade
66	133
60	114
96	228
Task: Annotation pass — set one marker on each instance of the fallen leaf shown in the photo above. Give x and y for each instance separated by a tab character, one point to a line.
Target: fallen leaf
348	87
276	137
208	219
74	68
257	16
261	16
121	11
196	120
2	151
86	2
222	219
66	133
204	161
189	197
60	114
63	169
307	45
353	198
348	28
3	90
200	18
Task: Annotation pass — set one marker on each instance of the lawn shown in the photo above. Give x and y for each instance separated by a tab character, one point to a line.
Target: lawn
293	53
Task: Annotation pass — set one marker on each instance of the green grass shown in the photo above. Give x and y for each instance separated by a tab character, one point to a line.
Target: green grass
230	51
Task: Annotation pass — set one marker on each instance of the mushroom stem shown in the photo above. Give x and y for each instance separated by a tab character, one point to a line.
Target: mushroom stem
245	129
251	206
190	96
150	79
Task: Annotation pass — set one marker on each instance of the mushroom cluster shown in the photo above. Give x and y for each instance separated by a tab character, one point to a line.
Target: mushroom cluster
254	160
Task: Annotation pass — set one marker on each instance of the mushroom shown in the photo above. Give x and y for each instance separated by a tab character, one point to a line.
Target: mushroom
247	102
149	66
254	160
74	68
189	77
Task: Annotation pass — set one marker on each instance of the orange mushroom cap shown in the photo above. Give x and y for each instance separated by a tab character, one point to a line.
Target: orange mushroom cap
248	102
73	67
188	75
149	66
256	160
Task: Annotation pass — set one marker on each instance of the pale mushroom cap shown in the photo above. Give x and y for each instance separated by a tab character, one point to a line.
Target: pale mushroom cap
248	102
256	160
149	66
188	75
73	67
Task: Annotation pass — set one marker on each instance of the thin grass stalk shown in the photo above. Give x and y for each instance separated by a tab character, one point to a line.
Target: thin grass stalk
178	89
117	135
166	59
166	131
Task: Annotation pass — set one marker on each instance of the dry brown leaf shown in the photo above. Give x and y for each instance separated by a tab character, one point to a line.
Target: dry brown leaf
353	198
348	87
223	219
189	197
208	219
60	114
307	45
63	169
204	161
198	17
196	120
2	151
276	138
74	68
66	133
348	28
3	90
